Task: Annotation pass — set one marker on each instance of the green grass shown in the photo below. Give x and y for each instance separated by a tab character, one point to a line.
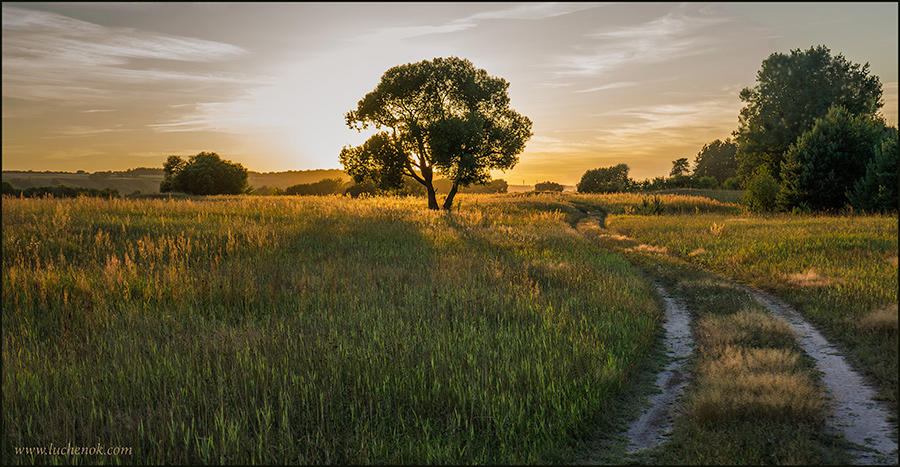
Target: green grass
313	330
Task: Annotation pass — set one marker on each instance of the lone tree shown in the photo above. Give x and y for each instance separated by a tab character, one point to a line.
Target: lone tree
442	116
605	180
791	93
204	174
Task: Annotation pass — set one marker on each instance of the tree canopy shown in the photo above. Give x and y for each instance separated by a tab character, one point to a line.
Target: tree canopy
792	91
441	116
204	174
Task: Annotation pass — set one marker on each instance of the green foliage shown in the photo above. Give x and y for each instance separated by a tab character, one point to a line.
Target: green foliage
204	174
605	180
826	161
792	92
717	159
762	192
445	117
324	187
877	190
548	186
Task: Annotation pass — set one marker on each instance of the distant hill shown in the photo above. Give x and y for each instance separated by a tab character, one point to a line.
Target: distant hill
146	179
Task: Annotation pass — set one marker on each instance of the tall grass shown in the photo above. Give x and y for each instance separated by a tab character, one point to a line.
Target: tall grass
312	330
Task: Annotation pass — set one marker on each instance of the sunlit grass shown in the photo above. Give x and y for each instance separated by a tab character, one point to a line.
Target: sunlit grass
312	330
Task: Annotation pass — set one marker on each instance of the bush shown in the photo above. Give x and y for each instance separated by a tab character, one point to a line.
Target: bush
762	192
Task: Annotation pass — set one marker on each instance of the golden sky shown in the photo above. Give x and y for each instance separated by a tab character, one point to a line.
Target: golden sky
112	86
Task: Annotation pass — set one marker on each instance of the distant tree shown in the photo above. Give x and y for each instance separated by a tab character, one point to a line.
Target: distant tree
204	174
9	189
548	186
877	190
495	186
605	180
444	116
717	159
680	167
324	187
792	91
827	161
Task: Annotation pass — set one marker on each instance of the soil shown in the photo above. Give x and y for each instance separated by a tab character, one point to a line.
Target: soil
655	425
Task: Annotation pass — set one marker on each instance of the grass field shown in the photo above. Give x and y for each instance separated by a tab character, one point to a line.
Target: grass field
330	330
326	330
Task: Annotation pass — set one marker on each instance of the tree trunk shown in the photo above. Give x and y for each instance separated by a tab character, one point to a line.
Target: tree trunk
432	198
448	201
427	175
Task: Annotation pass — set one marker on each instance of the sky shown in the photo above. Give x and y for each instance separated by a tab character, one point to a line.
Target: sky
113	86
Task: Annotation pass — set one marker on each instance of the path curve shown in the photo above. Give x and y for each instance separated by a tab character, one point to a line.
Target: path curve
862	419
654	426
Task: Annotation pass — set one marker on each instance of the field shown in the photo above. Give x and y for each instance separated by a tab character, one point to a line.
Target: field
327	330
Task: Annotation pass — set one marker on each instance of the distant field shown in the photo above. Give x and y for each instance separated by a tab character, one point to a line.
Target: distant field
148	183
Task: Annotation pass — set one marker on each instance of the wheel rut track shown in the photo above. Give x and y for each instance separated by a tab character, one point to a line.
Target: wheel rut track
856	414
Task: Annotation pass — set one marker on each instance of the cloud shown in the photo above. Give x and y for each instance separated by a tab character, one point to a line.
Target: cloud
528	11
47	56
673	36
623	84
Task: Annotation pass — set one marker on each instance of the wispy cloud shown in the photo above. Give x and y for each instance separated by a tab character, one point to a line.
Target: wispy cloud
528	11
676	35
47	56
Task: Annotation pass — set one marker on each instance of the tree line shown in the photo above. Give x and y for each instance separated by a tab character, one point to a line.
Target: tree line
809	139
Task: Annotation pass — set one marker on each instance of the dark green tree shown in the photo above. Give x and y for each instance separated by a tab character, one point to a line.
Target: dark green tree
204	174
548	186
828	160
442	116
680	167
717	159
792	91
877	190
605	180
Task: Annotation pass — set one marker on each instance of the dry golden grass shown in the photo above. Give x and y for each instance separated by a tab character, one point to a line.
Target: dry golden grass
809	278
644	248
774	396
745	327
880	321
